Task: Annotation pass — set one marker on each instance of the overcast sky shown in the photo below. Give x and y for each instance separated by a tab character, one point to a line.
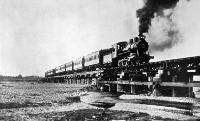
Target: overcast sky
37	35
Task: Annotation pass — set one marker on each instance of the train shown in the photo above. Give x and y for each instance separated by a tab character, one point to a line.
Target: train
121	54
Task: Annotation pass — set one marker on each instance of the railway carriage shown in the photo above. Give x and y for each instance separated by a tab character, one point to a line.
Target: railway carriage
61	69
69	66
56	71
48	73
78	64
106	56
92	60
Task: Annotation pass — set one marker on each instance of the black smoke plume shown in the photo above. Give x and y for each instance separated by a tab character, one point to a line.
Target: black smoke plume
164	33
150	9
168	43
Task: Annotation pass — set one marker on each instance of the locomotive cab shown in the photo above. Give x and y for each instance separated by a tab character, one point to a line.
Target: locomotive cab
118	48
117	51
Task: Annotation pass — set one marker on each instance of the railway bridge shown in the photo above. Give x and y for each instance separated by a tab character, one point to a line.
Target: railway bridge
170	77
173	77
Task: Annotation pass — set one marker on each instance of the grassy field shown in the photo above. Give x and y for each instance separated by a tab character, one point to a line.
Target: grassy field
30	101
18	100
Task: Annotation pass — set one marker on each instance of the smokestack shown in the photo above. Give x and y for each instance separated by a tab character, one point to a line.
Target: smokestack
150	9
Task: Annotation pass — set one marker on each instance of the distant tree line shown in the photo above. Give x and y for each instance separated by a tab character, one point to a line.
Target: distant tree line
19	78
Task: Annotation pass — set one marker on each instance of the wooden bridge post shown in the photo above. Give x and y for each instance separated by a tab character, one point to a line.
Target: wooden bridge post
132	89
71	81
184	77
109	88
190	89
174	79
119	87
85	80
82	81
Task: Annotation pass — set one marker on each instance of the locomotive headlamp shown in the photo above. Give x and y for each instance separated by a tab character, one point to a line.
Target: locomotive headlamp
141	36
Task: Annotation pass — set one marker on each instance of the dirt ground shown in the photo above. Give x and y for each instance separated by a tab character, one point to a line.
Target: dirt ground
61	102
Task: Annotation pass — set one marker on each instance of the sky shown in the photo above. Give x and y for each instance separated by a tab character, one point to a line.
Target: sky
38	35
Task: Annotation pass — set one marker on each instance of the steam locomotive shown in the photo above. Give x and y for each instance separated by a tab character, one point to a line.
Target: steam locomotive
121	54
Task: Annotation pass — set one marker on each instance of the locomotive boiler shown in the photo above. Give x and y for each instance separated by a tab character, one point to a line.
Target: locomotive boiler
131	53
